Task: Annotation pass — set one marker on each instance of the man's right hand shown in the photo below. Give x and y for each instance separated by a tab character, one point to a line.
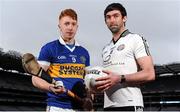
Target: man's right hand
108	81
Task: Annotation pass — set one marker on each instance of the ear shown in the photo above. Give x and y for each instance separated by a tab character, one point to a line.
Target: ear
59	27
124	18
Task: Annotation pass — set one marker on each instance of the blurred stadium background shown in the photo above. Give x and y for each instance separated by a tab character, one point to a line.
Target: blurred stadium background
18	94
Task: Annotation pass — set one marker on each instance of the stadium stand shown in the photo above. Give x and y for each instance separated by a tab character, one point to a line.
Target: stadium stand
163	94
17	93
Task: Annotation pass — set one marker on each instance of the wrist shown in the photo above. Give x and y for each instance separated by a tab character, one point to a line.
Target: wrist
50	88
122	79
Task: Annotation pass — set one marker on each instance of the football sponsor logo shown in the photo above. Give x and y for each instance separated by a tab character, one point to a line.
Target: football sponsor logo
67	70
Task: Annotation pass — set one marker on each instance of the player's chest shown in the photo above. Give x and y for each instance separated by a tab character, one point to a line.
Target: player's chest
69	57
118	51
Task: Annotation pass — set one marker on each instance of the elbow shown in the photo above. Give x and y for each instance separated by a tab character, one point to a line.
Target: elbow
151	76
34	81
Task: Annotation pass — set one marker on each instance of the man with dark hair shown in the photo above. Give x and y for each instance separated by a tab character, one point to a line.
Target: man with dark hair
65	61
126	61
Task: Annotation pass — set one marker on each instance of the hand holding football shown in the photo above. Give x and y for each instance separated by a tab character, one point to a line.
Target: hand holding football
92	73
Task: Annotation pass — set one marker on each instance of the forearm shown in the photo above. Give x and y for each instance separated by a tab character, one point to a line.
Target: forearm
139	77
41	84
146	73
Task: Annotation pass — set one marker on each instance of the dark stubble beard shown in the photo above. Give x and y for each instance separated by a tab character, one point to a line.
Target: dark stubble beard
114	29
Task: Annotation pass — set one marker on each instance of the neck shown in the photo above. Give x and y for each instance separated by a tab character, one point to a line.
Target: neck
116	36
69	40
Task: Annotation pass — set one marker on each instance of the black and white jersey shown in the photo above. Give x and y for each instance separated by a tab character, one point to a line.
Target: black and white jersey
121	57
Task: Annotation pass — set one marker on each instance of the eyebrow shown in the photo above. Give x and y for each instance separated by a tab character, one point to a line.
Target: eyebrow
116	13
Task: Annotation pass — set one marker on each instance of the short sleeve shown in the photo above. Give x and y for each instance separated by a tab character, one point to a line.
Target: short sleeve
45	56
141	47
88	60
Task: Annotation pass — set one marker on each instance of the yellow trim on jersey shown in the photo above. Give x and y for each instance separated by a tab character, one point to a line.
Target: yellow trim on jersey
67	70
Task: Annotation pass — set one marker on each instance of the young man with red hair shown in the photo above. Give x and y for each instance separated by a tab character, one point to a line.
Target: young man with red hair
64	60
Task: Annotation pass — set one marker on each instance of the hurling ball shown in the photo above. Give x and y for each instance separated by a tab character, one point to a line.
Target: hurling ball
92	73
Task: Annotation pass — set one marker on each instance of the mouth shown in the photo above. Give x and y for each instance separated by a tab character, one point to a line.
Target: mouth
69	33
113	26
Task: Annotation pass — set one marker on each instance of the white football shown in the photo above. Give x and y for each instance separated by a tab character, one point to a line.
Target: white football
92	73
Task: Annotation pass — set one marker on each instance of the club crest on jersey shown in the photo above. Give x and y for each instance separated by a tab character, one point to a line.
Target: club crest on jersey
83	59
121	47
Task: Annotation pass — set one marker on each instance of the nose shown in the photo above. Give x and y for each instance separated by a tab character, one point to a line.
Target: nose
70	27
112	19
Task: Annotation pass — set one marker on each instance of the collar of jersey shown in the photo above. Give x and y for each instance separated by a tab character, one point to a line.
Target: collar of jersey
123	34
63	43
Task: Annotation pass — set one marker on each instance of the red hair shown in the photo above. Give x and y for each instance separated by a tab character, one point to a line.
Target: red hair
68	12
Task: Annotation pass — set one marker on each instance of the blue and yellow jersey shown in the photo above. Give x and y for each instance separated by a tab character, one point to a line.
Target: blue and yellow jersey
65	64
